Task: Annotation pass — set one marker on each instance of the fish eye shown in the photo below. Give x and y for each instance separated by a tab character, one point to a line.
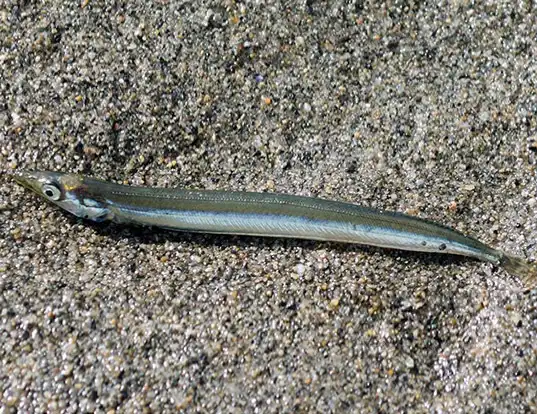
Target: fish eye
52	192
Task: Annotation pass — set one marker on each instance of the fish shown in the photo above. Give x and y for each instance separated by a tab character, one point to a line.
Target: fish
264	215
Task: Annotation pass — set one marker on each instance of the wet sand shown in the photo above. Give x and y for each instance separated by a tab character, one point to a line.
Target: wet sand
430	111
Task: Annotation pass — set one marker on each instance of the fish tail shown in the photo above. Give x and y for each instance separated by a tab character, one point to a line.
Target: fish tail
520	268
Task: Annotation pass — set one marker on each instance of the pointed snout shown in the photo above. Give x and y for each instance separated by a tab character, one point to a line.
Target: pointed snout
34	180
27	179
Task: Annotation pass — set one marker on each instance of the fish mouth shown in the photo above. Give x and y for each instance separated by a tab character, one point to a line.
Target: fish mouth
27	179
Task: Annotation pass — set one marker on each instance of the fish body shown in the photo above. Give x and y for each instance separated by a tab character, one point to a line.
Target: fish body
261	214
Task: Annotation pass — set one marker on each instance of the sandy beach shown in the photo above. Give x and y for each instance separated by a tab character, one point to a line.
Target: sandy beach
398	105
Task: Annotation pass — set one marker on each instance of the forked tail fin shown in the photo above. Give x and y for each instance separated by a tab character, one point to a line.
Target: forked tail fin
522	269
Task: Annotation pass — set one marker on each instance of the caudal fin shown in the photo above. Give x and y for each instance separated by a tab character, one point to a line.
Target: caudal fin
522	269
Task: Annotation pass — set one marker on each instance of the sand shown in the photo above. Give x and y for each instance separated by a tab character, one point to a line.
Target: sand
397	105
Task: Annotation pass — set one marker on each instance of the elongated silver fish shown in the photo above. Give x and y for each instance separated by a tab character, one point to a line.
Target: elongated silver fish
261	214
